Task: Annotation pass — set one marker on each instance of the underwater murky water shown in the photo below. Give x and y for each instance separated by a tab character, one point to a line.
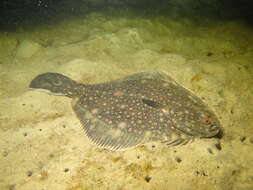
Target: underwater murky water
42	142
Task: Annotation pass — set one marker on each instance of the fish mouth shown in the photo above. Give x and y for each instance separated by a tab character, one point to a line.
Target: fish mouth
211	130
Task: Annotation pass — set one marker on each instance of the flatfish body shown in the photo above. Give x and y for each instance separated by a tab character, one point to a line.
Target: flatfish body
141	108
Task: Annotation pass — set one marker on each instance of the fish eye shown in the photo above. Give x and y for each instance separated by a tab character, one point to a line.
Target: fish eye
207	121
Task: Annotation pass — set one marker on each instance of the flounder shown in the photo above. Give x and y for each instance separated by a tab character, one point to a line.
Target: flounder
131	111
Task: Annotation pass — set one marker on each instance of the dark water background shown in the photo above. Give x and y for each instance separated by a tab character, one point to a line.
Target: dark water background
23	13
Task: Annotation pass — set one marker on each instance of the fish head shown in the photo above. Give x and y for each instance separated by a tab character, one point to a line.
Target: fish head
198	123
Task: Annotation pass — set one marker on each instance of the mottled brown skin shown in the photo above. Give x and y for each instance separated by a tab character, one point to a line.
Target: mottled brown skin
135	110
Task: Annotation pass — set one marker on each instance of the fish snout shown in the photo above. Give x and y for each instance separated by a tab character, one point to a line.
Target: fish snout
210	130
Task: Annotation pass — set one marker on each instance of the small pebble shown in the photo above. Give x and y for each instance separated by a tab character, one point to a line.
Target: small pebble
29	173
218	146
147	179
242	138
204	174
178	159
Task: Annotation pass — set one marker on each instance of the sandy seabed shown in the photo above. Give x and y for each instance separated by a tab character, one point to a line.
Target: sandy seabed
42	143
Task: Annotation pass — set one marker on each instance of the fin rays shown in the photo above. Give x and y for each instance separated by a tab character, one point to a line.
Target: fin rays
103	135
